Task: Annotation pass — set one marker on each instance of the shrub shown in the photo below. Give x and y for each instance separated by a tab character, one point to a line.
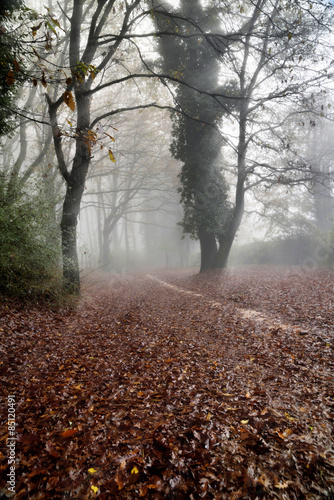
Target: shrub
29	248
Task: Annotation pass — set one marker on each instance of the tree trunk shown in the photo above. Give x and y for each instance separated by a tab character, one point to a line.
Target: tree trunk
127	243
225	245
208	249
74	192
226	241
107	229
323	198
71	273
69	221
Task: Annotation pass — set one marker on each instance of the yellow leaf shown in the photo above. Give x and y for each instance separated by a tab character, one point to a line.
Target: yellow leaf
69	101
244	422
282	486
289	418
110	136
208	417
285	434
263	479
111	156
94	488
70	123
92	470
135	470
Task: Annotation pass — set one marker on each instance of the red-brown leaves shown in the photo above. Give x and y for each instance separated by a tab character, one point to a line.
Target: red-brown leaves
150	392
69	100
10	78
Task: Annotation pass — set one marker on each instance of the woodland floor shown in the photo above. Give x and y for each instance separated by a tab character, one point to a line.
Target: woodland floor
174	385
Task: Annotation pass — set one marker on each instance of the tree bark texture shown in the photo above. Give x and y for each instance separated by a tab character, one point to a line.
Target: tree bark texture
208	247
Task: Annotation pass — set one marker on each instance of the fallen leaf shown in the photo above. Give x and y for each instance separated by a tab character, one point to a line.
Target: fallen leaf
69	433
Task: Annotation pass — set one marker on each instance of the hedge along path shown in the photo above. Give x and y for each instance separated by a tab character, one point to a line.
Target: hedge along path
248	314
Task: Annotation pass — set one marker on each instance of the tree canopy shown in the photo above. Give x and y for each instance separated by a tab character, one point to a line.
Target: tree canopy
242	81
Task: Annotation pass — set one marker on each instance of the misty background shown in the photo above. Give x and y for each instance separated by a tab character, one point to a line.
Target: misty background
240	96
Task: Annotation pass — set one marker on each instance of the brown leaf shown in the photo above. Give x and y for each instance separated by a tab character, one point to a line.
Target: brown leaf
43	80
69	433
10	79
69	100
50	448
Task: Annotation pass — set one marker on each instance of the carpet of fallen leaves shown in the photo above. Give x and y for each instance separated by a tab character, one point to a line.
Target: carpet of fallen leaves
174	385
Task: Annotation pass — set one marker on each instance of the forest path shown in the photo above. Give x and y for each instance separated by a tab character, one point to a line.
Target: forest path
166	394
271	321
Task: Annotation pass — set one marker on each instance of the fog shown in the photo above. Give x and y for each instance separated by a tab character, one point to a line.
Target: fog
245	162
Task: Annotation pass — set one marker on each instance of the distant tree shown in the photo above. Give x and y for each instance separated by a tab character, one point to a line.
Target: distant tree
141	179
187	55
320	155
277	61
86	64
90	67
273	53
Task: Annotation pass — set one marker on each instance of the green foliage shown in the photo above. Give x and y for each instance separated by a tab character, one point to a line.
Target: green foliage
12	73
205	202
30	253
196	139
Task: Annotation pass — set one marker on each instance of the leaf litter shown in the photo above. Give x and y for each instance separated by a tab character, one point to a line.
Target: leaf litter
154	391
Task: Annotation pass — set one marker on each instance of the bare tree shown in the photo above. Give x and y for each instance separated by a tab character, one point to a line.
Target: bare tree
279	58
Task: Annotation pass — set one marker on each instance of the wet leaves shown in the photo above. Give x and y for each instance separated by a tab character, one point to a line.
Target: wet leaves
148	392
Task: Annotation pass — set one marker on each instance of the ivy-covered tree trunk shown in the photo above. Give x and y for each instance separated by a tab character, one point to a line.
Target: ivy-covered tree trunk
208	247
196	139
